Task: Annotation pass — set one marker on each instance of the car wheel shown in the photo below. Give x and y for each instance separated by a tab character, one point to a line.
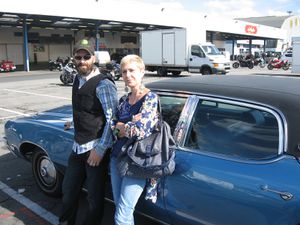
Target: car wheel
46	176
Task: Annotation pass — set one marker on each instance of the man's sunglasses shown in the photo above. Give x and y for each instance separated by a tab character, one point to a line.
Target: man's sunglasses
85	57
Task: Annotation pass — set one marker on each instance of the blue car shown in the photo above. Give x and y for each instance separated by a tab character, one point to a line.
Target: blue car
237	153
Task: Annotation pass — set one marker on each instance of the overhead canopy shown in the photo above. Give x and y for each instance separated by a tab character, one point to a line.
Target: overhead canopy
72	23
133	16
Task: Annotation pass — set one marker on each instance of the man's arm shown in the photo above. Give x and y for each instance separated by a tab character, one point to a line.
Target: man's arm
108	97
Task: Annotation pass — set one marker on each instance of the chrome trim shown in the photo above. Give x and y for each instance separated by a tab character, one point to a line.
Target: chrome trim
282	124
35	144
281	120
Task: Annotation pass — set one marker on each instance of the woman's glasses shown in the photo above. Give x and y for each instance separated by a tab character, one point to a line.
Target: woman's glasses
85	57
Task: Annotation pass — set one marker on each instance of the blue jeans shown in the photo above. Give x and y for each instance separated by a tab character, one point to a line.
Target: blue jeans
78	172
126	193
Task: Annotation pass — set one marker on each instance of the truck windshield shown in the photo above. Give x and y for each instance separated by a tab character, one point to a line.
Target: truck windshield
211	50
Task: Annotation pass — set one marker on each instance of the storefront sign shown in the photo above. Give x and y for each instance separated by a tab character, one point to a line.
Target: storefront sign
250	29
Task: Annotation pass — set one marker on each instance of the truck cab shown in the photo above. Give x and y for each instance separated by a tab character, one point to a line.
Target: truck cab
220	62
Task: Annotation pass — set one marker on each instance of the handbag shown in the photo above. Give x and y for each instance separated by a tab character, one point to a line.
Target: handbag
150	157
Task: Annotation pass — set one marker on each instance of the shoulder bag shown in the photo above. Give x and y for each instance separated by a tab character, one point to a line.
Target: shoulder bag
151	157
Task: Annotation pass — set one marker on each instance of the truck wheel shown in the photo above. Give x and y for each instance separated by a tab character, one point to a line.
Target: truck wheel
162	71
176	73
205	71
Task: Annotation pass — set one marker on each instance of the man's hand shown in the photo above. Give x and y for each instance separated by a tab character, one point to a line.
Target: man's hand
94	159
67	125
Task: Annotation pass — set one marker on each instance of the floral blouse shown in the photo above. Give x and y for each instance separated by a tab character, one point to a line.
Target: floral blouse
147	106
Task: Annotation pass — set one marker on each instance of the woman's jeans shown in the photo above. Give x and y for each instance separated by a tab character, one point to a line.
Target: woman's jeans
126	193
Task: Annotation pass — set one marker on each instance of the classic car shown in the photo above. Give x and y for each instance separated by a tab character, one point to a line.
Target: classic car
237	152
7	66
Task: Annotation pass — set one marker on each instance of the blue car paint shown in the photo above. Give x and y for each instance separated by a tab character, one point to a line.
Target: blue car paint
46	131
213	181
203	189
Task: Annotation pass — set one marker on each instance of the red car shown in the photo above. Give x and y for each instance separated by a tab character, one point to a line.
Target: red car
7	66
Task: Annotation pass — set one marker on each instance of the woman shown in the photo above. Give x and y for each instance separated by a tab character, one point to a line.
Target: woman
136	118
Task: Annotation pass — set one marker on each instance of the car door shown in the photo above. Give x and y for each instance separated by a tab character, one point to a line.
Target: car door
171	106
231	168
197	58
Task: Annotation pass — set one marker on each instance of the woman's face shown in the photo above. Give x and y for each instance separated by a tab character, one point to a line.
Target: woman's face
132	75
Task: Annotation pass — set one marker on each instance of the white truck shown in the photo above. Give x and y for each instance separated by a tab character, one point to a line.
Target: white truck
170	50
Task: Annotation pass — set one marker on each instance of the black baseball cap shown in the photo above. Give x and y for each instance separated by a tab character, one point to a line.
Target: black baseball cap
85	45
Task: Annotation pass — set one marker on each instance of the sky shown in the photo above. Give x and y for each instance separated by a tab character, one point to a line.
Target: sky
233	8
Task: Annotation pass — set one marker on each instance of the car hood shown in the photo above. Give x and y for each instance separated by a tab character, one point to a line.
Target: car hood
55	117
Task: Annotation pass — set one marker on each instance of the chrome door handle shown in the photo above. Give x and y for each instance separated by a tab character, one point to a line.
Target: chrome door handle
283	194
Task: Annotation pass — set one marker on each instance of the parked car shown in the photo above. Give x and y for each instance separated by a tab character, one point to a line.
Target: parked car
237	153
7	66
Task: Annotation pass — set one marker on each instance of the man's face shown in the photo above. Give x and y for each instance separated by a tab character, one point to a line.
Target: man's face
84	62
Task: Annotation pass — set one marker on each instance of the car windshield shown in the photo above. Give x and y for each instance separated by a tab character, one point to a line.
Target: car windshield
211	50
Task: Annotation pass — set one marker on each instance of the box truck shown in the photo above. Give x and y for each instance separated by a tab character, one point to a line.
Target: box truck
170	50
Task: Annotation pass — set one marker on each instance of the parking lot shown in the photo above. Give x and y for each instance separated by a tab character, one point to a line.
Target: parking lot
27	93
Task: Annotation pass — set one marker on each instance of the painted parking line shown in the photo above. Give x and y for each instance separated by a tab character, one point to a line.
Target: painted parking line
41	212
14	112
37	94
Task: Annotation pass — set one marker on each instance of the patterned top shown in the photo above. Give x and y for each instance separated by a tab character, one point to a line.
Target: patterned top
147	106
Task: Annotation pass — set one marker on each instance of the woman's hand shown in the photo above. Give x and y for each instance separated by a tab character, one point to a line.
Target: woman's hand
136	117
121	127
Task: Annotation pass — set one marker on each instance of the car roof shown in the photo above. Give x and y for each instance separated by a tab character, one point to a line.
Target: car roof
281	93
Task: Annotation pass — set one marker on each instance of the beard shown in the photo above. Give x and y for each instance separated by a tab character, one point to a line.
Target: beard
85	68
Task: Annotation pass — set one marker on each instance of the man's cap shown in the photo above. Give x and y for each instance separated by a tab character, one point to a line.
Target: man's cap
85	45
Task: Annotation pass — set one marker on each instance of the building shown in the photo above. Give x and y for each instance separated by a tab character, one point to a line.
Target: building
50	29
291	24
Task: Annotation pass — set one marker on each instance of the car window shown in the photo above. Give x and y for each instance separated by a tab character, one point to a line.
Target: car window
233	130
197	51
171	109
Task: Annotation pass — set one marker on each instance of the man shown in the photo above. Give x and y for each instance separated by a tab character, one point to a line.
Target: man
94	101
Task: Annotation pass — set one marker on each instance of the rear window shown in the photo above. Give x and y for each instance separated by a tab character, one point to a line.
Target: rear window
233	130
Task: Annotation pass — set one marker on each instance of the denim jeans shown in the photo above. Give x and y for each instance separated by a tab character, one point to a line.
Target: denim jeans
78	172
126	193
